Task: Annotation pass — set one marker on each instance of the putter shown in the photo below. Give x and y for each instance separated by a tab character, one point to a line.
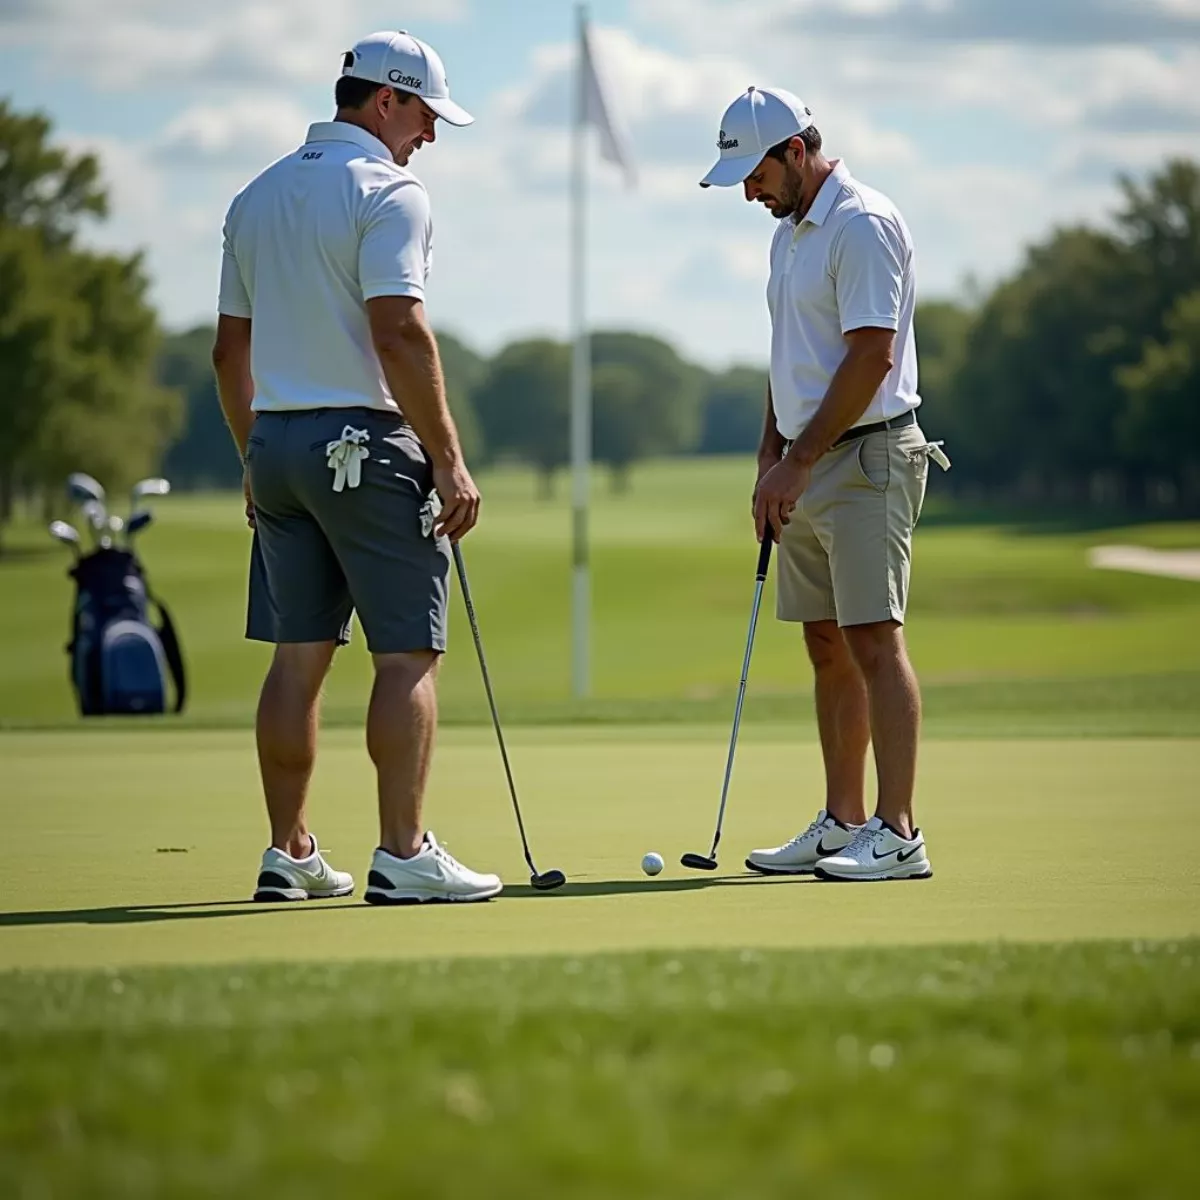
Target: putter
539	882
701	862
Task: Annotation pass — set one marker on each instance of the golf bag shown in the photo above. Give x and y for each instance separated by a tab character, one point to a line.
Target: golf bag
119	661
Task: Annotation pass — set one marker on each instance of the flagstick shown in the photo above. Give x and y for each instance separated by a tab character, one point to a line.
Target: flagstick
581	384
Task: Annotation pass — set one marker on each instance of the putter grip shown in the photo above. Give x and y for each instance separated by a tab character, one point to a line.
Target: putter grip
764	555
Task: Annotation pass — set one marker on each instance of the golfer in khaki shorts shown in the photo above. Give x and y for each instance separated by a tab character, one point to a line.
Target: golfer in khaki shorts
330	380
842	468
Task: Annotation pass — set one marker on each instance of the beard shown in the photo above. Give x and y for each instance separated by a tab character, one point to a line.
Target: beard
790	195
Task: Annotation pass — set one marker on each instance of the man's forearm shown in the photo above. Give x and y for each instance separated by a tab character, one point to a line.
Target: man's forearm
235	390
851	391
413	370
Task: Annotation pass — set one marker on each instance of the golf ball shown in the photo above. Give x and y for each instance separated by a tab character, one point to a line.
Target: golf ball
652	863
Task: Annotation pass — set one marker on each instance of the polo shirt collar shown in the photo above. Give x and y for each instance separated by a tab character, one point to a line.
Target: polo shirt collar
828	193
343	131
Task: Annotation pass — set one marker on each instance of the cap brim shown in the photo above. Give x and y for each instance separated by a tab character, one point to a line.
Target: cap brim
451	113
729	172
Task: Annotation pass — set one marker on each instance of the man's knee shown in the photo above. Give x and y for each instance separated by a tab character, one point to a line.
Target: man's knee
301	667
407	670
827	650
876	645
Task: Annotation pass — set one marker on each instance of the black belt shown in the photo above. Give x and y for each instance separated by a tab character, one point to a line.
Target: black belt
857	431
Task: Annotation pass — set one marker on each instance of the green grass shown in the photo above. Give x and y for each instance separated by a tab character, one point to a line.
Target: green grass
1024	1024
142	847
995	1071
993	607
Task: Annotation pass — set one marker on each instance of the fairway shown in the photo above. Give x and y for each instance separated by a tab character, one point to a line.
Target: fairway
1010	628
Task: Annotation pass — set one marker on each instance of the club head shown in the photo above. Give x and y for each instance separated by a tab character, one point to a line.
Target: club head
68	534
81	488
137	522
698	862
150	487
547	881
95	512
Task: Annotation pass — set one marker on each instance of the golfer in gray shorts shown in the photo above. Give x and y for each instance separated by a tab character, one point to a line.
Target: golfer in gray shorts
331	383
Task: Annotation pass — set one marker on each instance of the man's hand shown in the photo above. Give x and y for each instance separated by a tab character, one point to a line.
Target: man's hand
249	498
766	461
776	496
460	501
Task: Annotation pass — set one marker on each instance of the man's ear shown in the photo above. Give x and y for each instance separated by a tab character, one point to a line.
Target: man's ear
798	150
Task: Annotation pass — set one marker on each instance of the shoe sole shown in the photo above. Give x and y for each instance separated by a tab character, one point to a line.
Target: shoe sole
292	895
415	896
880	877
753	866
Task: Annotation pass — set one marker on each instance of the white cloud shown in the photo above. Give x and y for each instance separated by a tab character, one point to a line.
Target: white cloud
127	44
984	145
241	133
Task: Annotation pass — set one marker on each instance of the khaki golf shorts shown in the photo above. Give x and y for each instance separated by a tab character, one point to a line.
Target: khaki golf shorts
847	553
320	556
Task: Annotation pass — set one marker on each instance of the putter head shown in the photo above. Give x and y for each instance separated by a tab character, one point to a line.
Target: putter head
698	862
547	881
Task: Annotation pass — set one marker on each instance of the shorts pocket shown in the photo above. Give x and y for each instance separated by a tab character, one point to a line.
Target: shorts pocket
874	457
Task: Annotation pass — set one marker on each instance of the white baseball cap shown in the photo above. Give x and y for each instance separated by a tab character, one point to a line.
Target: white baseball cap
757	120
396	58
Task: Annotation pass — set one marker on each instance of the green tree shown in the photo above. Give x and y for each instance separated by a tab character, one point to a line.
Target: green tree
734	407
1161	422
77	334
523	406
464	371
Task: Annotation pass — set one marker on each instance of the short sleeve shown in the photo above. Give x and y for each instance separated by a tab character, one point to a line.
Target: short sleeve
869	264
233	300
396	246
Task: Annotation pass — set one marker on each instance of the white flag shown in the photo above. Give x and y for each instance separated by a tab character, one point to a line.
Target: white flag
614	144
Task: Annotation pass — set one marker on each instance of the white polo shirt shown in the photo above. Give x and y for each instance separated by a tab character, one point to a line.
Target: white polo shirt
307	243
846	265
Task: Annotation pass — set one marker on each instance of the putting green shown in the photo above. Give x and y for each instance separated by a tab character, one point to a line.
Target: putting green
140	846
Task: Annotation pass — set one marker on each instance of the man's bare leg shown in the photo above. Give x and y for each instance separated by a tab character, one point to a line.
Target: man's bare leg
895	707
286	732
401	728
842	720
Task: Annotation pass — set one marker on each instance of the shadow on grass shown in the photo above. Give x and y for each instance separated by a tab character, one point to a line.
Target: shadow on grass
622	887
133	914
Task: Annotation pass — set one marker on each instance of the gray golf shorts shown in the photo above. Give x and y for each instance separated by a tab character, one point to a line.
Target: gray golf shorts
321	555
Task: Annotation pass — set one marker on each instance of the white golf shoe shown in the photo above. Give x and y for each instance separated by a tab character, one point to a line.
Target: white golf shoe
432	874
824	837
877	853
282	877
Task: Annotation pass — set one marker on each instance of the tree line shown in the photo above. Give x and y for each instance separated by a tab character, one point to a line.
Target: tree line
1074	381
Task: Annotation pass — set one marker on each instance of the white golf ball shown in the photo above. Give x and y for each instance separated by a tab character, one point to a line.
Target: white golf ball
652	863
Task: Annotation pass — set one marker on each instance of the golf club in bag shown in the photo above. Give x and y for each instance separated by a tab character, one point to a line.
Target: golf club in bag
539	882
700	862
120	662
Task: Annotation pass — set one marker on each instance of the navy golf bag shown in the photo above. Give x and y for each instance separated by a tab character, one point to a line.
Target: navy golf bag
120	661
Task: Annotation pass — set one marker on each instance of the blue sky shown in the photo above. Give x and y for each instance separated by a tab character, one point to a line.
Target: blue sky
988	121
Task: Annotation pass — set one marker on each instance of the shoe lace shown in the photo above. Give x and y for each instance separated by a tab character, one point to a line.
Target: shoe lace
814	828
442	853
862	841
